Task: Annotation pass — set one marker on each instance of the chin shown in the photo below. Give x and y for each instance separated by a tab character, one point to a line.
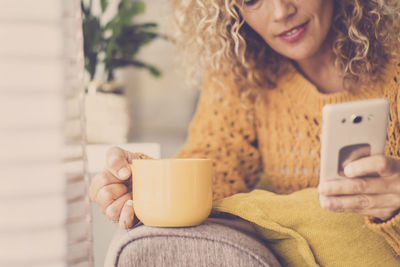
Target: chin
298	54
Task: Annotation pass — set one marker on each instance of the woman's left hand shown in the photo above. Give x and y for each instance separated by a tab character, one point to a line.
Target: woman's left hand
372	188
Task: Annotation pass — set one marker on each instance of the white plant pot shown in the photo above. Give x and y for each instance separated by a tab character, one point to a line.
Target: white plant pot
107	118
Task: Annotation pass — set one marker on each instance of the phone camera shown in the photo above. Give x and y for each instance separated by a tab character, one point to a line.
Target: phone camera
357	119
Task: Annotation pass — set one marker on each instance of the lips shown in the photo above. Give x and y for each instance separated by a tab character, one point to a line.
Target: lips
292	30
294	34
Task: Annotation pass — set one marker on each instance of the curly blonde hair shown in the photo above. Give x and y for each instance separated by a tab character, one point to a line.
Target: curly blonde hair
212	35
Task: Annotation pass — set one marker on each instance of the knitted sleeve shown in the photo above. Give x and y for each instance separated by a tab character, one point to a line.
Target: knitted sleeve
223	130
390	229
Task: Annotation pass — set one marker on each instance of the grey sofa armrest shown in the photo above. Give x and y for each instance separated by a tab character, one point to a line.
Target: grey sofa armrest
209	244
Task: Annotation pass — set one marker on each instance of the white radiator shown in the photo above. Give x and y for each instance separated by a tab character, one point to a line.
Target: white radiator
45	215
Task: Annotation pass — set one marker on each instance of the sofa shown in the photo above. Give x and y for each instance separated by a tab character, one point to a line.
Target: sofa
216	242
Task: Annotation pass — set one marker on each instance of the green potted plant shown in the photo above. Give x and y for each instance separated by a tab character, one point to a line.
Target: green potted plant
112	45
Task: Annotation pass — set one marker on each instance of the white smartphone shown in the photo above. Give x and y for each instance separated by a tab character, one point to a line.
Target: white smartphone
351	130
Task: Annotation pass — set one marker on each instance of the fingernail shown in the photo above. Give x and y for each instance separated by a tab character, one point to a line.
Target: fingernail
348	171
123	224
129	202
123	173
322	202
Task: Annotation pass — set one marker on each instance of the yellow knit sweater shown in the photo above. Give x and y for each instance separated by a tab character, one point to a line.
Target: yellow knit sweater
278	134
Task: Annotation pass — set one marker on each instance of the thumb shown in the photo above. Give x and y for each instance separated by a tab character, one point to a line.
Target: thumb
118	160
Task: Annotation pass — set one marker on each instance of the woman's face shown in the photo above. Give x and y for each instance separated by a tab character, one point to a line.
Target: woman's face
295	29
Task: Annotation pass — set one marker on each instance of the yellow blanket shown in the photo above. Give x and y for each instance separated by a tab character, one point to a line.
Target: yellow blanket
301	233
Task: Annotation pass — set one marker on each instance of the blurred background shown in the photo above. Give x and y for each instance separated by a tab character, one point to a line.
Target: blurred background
78	77
159	103
136	94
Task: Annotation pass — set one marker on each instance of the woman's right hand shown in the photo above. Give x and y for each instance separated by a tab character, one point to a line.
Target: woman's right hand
111	188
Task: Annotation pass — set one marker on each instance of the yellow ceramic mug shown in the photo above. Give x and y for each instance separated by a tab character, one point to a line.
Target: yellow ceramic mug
172	192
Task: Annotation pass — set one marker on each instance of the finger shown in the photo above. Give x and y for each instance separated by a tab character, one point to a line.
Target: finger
360	152
360	203
376	164
382	213
109	194
117	162
127	215
113	211
99	181
355	186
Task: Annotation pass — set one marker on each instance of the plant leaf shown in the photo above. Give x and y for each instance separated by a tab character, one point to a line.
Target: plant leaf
154	71
137	8
85	11
103	5
134	36
119	40
146	25
128	10
92	42
117	62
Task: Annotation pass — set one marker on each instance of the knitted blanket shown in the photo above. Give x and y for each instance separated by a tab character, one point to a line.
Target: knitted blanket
301	233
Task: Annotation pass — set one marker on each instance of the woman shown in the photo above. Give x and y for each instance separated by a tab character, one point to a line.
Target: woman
271	66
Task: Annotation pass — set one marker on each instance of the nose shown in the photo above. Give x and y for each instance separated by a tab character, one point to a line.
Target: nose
283	9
